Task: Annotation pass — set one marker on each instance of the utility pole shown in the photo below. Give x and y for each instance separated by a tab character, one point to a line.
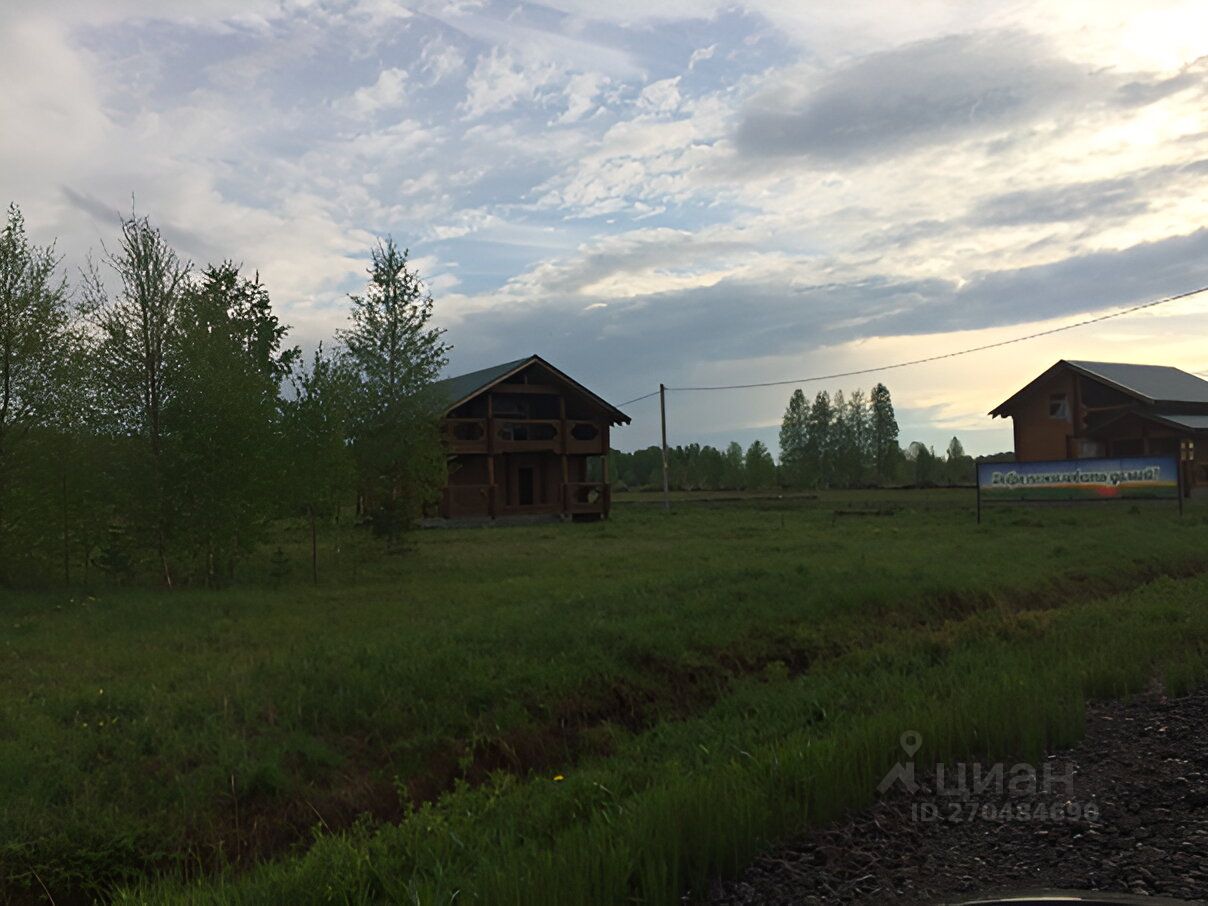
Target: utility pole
663	420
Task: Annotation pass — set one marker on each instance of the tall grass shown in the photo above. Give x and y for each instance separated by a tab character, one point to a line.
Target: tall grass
656	819
706	682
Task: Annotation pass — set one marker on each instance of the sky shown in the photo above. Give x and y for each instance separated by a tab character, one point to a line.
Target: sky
687	192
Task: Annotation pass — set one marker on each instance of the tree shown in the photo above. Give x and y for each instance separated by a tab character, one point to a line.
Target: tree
759	467
220	420
884	428
712	467
396	355
845	455
246	315
34	337
316	429
925	464
959	468
794	441
134	332
820	448
859	429
734	469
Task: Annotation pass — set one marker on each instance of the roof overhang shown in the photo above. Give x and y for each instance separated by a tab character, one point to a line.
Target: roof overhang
617	417
1003	409
1190	423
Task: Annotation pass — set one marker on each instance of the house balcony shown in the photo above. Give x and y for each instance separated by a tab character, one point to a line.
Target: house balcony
577	437
583	498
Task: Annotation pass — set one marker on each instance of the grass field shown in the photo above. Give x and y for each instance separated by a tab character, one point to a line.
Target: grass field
592	713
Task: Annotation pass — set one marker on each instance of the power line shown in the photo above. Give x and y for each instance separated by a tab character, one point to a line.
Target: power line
638	399
947	355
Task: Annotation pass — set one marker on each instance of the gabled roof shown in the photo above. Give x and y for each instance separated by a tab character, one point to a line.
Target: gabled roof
461	388
1149	384
454	391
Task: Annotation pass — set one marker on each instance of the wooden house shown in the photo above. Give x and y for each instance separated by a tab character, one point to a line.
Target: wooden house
521	438
1080	410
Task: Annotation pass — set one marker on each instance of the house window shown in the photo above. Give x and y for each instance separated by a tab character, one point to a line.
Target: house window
1059	407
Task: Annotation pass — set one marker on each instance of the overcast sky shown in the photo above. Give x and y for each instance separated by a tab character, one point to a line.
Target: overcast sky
680	191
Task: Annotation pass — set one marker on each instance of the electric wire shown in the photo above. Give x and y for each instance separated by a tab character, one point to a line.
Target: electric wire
947	355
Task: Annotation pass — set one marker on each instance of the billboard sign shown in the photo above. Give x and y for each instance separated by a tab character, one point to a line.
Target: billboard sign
1128	478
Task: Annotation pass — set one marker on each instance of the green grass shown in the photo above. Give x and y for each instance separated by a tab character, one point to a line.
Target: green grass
706	681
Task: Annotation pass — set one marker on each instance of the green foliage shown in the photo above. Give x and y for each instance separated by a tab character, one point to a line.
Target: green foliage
796	469
959	468
241	310
221	447
147	733
35	343
830	443
759	467
144	434
883	427
322	476
133	333
396	355
923	466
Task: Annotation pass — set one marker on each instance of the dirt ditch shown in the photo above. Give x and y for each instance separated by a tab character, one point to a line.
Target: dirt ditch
567	731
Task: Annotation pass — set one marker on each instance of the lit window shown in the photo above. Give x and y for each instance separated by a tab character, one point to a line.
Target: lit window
1058	407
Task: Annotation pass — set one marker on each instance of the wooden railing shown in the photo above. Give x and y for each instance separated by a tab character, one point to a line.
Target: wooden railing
474	500
469	500
584	437
530	434
585	497
465	435
515	435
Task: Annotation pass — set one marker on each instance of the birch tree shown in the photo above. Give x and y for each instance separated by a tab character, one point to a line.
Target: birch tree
34	336
134	329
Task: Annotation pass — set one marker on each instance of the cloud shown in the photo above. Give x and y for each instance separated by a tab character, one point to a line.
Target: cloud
1101	198
439	60
779	315
383	12
387	92
1094	201
582	91
700	55
694	192
923	93
661	97
500	81
1079	284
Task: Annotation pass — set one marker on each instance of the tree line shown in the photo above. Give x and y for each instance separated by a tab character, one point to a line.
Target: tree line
154	419
846	442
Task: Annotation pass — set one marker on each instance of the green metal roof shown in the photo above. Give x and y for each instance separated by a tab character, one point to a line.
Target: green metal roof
455	389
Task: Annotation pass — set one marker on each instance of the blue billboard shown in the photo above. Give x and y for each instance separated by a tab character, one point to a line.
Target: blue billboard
1133	477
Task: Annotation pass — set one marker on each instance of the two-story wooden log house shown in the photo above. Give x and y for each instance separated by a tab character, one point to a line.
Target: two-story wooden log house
520	439
1079	410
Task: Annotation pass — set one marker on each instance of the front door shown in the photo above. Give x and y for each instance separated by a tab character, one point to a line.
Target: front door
524	485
